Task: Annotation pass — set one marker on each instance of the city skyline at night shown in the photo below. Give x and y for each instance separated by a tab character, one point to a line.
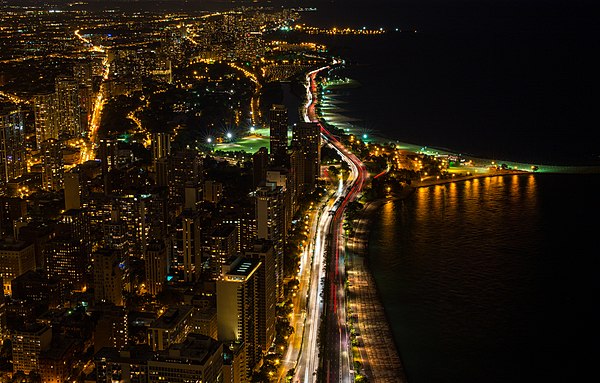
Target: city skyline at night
286	191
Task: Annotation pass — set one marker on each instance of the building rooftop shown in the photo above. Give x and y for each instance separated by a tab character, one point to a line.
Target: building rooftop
13	245
195	349
172	317
243	267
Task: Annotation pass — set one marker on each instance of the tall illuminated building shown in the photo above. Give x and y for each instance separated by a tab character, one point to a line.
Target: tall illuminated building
13	162
306	141
278	127
65	259
173	326
28	344
52	165
45	107
284	177
82	72
108	157
108	277
161	146
213	191
187	248
223	245
238	307
156	266
262	250
270	224
69	111
185	167
161	150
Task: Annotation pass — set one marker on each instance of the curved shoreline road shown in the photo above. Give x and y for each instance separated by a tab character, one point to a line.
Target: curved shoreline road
336	360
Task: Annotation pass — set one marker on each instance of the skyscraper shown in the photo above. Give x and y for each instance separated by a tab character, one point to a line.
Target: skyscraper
156	266
306	140
270	224
263	251
260	160
27	345
278	126
13	163
238	306
161	147
187	247
45	107
52	165
108	277
67	93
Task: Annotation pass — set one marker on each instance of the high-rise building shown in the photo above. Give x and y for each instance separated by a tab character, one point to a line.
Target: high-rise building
69	111
270	224
45	107
75	224
156	266
52	165
263	251
108	157
108	277
66	259
187	247
161	145
238	307
278	127
27	345
173	326
234	362
112	328
56	363
82	72
260	161
129	364
37	288
306	139
16	257
39	234
213	191
144	216
223	245
161	151
13	162
72	190
185	166
197	358
243	216
283	177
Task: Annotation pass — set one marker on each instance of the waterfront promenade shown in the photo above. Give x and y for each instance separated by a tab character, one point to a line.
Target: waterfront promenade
379	358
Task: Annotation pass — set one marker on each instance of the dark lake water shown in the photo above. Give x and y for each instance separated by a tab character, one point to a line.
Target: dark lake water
492	280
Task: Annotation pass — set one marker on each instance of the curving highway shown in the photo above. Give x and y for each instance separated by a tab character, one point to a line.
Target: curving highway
325	286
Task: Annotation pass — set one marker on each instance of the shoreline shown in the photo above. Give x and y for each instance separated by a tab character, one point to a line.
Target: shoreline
374	345
378	352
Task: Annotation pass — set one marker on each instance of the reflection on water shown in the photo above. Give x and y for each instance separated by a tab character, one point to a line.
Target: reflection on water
474	279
